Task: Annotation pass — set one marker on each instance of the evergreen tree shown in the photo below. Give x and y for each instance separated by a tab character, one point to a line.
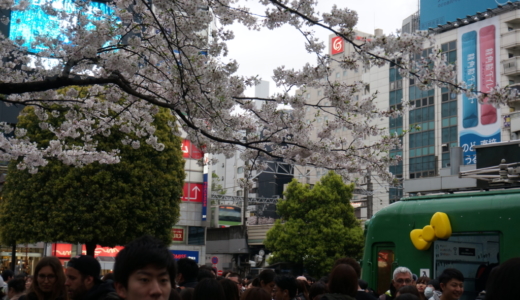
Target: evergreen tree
106	204
317	227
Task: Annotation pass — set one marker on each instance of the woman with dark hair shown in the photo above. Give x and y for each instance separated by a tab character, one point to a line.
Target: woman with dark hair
317	289
28	282
503	281
408	289
421	285
265	280
209	288
343	283
230	289
255	293
302	293
49	281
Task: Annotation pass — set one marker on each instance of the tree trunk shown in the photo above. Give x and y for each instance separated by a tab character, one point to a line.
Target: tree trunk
91	247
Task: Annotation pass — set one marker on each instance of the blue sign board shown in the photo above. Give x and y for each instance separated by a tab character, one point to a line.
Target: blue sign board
178	254
439	12
35	21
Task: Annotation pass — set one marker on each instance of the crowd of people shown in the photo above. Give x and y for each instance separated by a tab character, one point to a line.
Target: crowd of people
145	269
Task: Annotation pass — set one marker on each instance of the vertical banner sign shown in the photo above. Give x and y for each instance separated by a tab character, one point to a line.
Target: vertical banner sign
488	113
477	59
469	76
205	196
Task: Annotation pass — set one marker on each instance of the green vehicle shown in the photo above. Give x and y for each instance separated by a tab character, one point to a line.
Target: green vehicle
473	232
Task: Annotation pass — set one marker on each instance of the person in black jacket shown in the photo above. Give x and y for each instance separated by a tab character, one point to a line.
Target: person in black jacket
83	283
188	270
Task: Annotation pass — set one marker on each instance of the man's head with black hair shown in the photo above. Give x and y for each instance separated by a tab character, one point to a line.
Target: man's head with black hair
188	270
15	287
144	269
452	284
285	287
7	275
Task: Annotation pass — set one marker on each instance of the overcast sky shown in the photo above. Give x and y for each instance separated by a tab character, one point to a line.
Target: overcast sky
258	53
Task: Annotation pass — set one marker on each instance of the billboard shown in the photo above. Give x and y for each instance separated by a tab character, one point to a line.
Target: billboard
439	12
478	59
27	25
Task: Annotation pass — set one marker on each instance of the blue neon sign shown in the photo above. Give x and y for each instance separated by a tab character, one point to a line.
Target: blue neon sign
27	25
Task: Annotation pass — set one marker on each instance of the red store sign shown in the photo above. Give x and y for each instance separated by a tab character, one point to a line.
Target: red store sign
178	234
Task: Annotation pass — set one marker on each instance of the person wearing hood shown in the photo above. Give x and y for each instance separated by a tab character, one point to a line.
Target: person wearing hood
83	283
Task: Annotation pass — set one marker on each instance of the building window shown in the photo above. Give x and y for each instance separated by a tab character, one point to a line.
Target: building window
449	124
450	50
319	93
196	236
344	72
240	170
239	193
338	75
395	126
422	137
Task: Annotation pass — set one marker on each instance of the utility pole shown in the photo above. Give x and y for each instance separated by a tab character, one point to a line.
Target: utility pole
370	195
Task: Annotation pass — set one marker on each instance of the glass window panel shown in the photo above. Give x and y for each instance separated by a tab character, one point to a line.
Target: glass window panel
445	135
418	103
444	90
453	108
452	57
445	110
392	122
431	125
453	133
196	236
412	116
430	100
431	113
424	126
425	114
453	45
400	130
431	92
445	97
412	92
431	137
424	138
424	102
431	150
392	98
412	152
418	152
453	121
392	74
418	116
399	121
399	96
445	122
444	47
453	144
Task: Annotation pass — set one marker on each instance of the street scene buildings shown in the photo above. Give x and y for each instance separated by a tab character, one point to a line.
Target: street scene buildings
442	130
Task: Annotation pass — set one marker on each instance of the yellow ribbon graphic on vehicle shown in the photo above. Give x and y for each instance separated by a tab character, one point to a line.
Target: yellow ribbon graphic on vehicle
439	228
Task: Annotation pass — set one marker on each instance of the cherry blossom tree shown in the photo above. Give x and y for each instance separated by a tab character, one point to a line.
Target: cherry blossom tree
171	54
